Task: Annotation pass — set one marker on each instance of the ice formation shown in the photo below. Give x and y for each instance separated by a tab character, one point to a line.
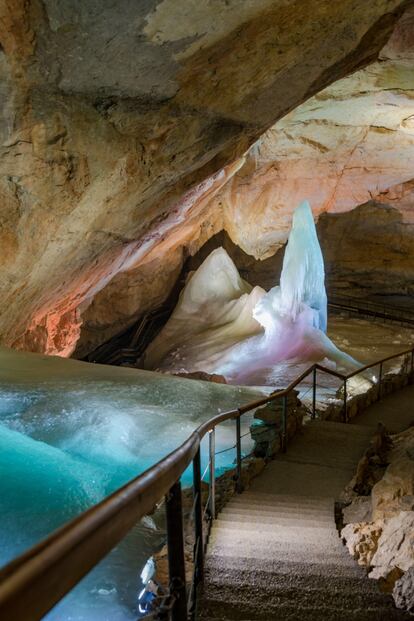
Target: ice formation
223	325
71	433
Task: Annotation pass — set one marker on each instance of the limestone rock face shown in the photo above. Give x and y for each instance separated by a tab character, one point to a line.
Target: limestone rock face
384	540
351	241
403	592
395	491
362	540
120	126
350	144
395	546
359	510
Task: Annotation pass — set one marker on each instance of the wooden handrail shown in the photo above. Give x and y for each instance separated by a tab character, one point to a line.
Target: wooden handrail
35	581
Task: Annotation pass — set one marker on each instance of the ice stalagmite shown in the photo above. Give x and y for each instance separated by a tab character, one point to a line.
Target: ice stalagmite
222	325
302	282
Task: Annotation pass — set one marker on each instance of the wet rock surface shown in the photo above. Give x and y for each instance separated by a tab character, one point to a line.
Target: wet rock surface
206	377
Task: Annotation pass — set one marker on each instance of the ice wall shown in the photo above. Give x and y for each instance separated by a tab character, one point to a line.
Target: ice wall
223	325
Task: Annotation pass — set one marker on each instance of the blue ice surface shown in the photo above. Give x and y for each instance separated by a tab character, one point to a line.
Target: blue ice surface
70	434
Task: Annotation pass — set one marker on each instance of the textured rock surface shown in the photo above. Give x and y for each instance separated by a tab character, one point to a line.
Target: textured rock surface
385	541
362	540
403	592
366	147
370	250
117	129
350	144
206	377
395	547
359	510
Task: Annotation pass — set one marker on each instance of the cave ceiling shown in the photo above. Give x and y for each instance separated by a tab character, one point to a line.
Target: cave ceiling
132	132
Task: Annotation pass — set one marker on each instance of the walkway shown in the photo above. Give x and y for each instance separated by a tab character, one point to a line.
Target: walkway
274	553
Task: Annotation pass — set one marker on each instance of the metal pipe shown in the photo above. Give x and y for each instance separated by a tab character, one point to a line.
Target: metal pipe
314	394
379	381
212	462
284	424
239	487
345	414
176	559
198	520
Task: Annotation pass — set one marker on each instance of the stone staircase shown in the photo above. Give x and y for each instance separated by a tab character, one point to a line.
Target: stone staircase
274	552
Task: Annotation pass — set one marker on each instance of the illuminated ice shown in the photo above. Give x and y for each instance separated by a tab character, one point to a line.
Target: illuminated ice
70	434
223	325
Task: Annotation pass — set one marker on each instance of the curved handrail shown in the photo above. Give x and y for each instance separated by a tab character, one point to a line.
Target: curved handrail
35	581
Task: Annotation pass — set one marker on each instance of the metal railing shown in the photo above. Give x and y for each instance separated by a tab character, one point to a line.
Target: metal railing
35	581
371	309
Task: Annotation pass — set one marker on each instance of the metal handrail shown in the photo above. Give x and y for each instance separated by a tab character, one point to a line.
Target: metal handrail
338	298
362	306
35	581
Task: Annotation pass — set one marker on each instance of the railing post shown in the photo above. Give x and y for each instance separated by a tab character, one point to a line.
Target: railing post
176	559
314	394
198	519
284	423
345	414
412	364
239	487
212	482
379	381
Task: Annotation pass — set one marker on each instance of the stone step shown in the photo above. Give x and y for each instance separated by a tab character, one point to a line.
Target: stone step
268	510
275	518
294	551
293	612
271	598
321	427
246	504
224	531
275	527
286	578
254	504
285	499
348	568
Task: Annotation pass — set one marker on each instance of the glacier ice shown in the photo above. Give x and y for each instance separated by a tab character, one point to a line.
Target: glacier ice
223	325
214	313
70	434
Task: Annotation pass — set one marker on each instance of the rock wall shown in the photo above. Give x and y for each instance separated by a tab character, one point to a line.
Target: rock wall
119	127
369	252
333	149
350	144
381	535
